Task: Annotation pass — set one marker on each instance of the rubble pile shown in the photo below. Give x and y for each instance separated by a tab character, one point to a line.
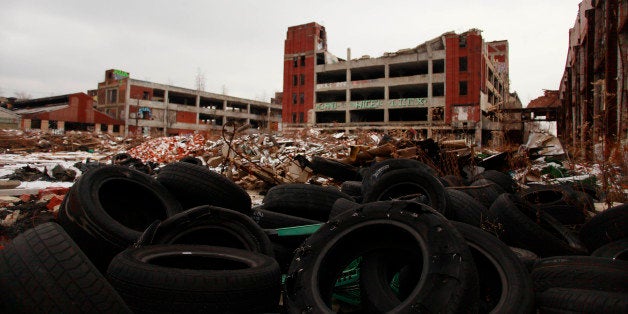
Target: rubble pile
16	141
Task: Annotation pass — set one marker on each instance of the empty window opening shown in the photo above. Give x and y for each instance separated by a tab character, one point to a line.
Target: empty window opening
462	64
302	61
294	117
331	77
295	61
294	98
438	89
301	117
331	96
438	66
104	128
407	114
463	88
367	93
295	80
211	103
330	117
302	79
302	98
462	41
407	91
112	96
408	69
320	58
368	73
361	116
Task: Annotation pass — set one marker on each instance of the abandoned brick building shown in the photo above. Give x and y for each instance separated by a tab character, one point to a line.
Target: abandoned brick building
453	83
160	109
57	114
593	89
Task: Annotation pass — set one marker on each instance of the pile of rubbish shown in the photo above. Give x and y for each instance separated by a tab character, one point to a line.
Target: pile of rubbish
15	141
378	234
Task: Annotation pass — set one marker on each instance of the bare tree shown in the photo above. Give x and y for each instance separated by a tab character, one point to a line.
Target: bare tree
23	95
199	80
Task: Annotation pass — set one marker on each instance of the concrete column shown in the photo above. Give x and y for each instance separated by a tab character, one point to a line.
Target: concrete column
27	124
45	125
165	122
198	106
61	126
127	99
97	128
110	128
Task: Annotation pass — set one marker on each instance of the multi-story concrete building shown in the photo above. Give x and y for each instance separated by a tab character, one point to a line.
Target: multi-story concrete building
450	83
162	109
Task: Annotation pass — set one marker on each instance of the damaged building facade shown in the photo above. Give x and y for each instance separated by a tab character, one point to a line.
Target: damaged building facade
160	109
593	89
454	83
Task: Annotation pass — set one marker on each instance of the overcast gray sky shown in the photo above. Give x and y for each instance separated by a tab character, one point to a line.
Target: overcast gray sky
57	47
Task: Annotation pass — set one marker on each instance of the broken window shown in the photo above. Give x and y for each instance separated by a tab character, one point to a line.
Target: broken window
302	61
462	41
295	61
462	65
301	117
294	98
52	124
295	80
302	79
302	98
145	96
116	128
112	96
437	114
463	88
104	128
294	117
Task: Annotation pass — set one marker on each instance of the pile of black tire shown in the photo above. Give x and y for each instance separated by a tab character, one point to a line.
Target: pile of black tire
188	240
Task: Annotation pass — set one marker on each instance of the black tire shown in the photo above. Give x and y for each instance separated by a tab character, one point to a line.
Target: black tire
448	284
528	258
546	238
271	220
121	158
464	208
340	206
353	188
194	185
109	207
566	214
378	169
191	160
43	271
549	195
334	169
505	283
503	180
485	191
581	272
453	181
210	225
605	227
194	279
303	200
613	250
402	182
563	300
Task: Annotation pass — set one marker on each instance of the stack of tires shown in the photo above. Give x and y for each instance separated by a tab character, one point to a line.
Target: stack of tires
395	237
125	241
